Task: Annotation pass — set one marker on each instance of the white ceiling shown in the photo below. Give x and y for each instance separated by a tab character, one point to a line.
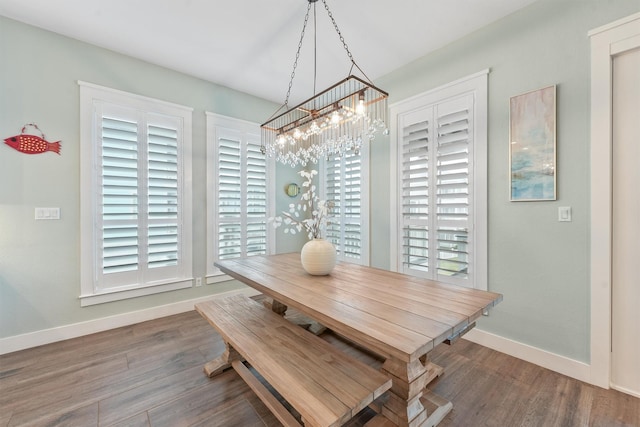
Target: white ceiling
251	45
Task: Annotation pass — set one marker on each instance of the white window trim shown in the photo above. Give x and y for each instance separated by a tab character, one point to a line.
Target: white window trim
89	294
365	211
477	84
214	121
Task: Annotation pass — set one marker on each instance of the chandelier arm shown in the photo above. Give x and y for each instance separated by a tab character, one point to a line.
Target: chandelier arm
363	73
344	43
295	63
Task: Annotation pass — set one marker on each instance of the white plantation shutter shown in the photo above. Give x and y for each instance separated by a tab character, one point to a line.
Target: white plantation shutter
242	198
140	216
345	183
435	144
140	235
238	182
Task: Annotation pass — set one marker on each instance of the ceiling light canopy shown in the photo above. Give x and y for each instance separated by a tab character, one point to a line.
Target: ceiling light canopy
331	123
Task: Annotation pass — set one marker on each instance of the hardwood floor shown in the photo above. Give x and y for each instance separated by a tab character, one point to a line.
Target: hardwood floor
150	374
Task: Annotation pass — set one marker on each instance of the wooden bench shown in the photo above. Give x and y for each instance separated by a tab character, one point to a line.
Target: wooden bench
326	386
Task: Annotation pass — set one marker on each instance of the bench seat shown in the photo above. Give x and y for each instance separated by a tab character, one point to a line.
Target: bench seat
326	386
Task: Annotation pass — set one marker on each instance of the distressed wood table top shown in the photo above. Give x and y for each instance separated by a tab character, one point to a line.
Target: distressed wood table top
393	314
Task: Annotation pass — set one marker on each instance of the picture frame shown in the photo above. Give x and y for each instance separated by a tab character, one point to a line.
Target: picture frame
532	145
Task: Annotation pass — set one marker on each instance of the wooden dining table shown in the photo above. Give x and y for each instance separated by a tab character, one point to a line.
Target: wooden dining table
399	317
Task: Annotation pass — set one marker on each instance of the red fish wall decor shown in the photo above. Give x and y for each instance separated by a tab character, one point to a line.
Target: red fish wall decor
32	144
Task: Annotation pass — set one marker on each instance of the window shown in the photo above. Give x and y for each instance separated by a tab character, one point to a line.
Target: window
345	182
136	195
239	192
439	186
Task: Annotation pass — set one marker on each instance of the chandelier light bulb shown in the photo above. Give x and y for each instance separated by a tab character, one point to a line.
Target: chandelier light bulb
335	118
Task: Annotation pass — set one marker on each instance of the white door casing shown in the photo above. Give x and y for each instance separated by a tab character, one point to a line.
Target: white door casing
625	276
607	42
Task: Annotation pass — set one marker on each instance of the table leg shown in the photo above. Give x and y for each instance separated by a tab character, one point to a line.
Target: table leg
299	319
275	306
222	362
279	307
409	403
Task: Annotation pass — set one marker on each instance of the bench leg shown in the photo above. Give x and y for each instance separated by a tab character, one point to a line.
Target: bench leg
222	362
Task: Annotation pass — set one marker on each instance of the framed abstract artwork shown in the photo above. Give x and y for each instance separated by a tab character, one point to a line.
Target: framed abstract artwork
532	145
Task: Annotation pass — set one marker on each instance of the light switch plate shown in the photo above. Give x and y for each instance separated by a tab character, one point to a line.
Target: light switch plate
47	213
564	213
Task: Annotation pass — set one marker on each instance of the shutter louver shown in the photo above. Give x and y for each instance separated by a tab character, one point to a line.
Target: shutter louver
256	238
119	188
162	207
256	230
343	187
453	203
229	179
415	196
352	165
333	193
229	199
256	183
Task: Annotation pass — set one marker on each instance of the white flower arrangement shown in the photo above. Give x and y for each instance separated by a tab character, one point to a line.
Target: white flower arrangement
295	221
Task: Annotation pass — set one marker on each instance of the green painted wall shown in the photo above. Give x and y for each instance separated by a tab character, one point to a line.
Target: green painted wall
539	264
39	260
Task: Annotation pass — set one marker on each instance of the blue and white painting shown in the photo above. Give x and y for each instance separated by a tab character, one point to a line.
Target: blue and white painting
533	145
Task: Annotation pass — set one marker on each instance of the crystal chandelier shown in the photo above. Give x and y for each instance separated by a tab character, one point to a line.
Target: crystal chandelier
332	123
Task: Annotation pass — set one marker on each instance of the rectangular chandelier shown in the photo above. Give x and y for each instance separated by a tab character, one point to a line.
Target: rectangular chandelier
332	123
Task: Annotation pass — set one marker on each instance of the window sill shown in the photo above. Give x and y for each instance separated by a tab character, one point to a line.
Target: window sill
217	278
118	295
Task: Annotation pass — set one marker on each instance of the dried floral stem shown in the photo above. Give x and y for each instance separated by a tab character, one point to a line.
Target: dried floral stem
320	210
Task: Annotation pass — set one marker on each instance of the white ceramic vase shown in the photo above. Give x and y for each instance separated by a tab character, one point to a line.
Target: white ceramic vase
318	257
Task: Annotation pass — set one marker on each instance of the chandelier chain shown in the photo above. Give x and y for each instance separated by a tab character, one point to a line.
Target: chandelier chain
342	40
335	25
295	63
344	43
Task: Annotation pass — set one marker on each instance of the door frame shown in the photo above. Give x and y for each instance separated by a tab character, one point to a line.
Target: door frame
606	42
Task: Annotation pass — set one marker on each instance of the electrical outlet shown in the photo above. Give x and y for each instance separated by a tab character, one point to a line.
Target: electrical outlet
198	281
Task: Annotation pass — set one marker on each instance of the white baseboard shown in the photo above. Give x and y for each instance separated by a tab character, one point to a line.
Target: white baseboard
47	336
561	364
633	393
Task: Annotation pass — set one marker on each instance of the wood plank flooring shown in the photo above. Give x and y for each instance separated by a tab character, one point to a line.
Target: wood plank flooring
150	374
